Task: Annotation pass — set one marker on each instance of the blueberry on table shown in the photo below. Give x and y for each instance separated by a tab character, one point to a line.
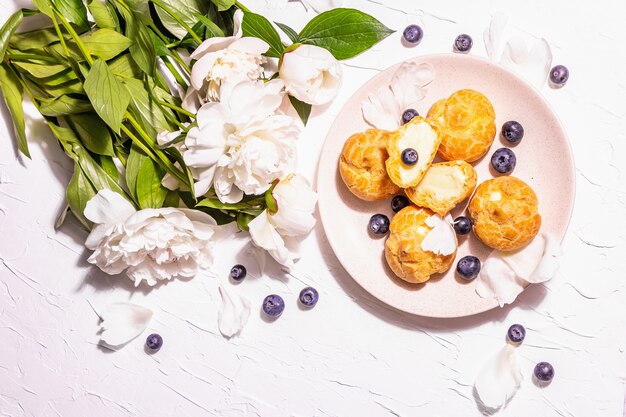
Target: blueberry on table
512	131
409	156
408	115
413	34
468	267
273	305
503	160
379	224
544	372
238	272
462	225
559	75
154	342
516	333
399	202
309	297
463	43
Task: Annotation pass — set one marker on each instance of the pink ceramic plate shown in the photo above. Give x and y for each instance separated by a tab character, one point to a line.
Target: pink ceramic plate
544	161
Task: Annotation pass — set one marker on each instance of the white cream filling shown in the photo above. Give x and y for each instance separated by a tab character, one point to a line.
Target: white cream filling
421	137
444	181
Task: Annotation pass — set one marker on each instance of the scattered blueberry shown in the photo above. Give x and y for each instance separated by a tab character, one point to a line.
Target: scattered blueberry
399	202
238	272
409	156
413	34
516	333
408	115
468	267
503	160
512	131
462	225
154	342
544	371
273	305
309	296
559	75
379	224
463	43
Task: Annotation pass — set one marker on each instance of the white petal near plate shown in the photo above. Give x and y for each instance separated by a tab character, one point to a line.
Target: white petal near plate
345	217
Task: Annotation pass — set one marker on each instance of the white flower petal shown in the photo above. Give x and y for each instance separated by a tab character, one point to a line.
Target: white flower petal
494	36
499	380
212	45
250	45
408	83
237	19
265	236
382	110
122	322
296	203
233	313
108	207
441	240
531	63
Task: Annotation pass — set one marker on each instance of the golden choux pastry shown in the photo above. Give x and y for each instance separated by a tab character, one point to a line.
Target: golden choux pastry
403	248
362	165
444	186
504	213
467	121
418	135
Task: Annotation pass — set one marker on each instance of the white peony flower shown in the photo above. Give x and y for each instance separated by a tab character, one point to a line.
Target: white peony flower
220	59
383	109
311	74
150	244
240	145
295	202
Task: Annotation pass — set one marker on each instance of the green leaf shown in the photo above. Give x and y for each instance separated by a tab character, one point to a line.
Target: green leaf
223	4
133	163
144	108
107	164
101	14
43	70
243	219
44	7
186	11
292	34
211	26
68	88
172	199
107	94
93	133
64	105
56	80
107	43
7	30
150	192
214	202
125	66
344	32
36	39
159	46
74	11
142	50
303	109
259	27
79	192
13	95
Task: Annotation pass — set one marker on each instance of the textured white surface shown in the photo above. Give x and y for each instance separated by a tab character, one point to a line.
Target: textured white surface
350	355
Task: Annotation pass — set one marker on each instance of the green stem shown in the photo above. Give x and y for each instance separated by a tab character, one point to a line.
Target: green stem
175	17
180	62
177	76
77	39
32	57
177	109
61	38
242	7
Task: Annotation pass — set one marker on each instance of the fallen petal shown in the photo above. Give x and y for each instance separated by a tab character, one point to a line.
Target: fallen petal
122	322
233	314
498	381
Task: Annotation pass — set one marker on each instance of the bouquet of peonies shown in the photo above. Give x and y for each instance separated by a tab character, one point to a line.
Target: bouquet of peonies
175	127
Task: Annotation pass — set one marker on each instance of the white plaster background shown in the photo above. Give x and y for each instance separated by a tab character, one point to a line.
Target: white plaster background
351	355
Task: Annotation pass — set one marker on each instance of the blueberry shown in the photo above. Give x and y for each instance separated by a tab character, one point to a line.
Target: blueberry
408	115
409	156
309	296
468	267
154	342
544	372
238	272
516	333
503	160
512	131
413	34
399	202
379	224
462	225
463	43
273	305
559	75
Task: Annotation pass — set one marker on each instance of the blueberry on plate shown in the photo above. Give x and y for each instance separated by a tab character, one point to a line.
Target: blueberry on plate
238	272
413	34
379	224
408	115
462	225
399	202
409	156
516	333
503	160
273	305
468	267
559	75
512	131
309	297
544	372
154	342
463	43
